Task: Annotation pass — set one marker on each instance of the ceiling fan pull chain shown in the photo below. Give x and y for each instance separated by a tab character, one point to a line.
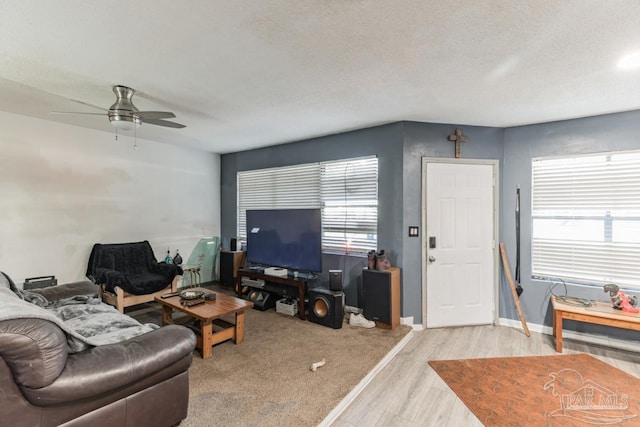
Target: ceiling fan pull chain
135	138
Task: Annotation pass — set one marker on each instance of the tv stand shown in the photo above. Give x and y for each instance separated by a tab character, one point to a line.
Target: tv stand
296	282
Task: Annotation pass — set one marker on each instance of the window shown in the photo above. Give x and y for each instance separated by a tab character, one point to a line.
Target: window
349	191
346	190
586	218
277	188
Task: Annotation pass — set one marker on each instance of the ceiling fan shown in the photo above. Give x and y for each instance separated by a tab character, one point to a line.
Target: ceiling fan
124	115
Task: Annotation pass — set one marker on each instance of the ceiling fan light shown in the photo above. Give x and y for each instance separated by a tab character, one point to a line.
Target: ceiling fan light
124	122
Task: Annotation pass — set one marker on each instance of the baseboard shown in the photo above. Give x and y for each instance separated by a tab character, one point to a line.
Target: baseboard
534	327
596	339
408	321
344	403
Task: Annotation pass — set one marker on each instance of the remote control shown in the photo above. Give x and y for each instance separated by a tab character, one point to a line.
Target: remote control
192	303
172	294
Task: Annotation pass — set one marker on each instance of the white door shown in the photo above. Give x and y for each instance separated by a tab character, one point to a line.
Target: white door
460	245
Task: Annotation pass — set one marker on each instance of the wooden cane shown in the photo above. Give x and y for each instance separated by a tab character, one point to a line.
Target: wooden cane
507	273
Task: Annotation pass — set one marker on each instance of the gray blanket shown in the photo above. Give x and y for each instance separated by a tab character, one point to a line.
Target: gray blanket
85	320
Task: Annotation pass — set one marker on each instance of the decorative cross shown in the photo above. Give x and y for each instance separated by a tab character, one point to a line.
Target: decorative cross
458	138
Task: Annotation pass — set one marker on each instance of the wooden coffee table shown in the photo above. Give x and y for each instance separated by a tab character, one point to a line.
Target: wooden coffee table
209	316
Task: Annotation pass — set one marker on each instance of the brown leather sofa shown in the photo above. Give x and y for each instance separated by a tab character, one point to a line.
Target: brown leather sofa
142	381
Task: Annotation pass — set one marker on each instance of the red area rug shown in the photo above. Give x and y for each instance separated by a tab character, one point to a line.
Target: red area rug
562	390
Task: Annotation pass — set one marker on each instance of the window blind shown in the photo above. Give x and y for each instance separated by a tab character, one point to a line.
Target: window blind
345	190
586	218
291	187
349	192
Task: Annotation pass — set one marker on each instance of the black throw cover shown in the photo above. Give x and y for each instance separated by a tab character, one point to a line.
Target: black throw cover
131	266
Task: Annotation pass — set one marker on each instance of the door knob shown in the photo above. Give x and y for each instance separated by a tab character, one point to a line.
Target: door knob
432	258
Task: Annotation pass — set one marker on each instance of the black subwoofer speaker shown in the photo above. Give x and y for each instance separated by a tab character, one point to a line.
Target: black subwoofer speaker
261	300
326	307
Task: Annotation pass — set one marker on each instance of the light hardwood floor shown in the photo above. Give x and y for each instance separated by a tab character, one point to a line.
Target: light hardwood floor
407	392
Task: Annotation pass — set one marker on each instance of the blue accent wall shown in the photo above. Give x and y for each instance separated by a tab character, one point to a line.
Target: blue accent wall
431	140
612	132
385	142
400	148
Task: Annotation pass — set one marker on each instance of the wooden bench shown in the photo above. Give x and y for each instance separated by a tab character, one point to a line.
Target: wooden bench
599	313
121	299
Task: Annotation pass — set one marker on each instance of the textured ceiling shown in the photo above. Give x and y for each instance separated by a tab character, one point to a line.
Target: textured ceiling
247	74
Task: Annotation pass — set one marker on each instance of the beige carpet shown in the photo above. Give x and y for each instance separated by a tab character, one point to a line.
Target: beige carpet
562	390
266	380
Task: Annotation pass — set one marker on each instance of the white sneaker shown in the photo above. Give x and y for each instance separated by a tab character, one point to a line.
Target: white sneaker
360	320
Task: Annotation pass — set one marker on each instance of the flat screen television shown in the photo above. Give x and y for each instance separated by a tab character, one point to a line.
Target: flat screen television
287	238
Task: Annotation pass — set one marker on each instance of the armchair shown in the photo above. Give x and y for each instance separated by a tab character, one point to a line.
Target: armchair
128	273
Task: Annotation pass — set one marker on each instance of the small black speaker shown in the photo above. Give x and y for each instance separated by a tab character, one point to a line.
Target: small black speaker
326	307
227	277
261	300
234	244
335	280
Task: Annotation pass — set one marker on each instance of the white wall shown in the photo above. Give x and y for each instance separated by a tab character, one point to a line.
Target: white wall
64	188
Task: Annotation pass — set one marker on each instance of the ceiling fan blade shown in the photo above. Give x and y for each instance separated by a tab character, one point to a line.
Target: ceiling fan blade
164	123
89	105
77	112
155	115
